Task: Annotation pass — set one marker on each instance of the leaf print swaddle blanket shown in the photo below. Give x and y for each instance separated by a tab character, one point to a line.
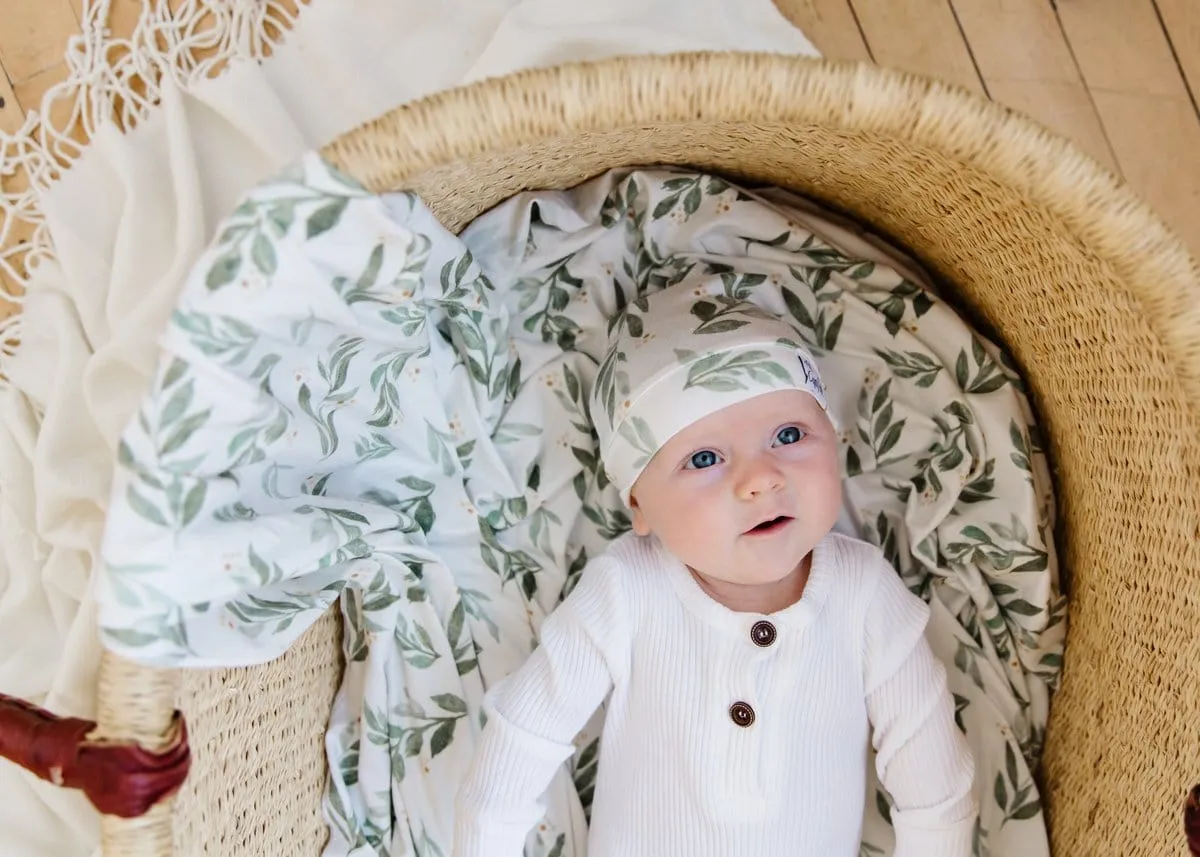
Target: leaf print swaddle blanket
355	407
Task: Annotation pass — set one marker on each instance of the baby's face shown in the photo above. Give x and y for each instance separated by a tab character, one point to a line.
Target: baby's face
711	490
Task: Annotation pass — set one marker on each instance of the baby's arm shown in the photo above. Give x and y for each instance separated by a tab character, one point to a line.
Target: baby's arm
922	758
534	715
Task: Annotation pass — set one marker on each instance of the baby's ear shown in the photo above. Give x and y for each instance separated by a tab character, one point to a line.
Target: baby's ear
640	525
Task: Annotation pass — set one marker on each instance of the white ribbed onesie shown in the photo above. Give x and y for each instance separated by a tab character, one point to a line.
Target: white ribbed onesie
728	733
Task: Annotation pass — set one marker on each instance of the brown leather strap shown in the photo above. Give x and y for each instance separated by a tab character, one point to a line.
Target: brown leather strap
119	779
1191	821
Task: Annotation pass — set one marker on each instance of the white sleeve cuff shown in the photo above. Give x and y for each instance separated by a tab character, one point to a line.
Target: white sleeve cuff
502	797
953	840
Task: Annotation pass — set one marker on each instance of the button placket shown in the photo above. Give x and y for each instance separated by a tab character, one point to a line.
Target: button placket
762	634
743	686
737	761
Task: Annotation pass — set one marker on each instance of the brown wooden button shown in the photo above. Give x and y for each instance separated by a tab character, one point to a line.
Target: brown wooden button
741	714
762	633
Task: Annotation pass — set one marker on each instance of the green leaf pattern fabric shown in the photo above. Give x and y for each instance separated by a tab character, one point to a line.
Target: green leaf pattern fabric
357	410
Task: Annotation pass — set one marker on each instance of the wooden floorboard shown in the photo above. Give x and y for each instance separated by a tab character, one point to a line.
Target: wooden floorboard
1143	103
830	25
1026	64
30	91
33	35
11	114
1181	21
921	36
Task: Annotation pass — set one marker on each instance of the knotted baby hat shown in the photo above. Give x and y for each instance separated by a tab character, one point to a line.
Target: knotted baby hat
678	355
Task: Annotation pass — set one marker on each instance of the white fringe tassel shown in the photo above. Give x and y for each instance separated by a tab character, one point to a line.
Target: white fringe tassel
118	81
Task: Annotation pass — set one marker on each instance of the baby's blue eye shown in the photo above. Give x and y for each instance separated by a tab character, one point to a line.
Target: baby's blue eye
702	459
788	435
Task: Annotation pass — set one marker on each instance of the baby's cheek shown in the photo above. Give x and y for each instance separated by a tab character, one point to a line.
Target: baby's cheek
831	492
831	476
696	528
821	481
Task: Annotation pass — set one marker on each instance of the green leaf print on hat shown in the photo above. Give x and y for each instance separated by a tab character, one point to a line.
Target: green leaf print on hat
637	431
720	372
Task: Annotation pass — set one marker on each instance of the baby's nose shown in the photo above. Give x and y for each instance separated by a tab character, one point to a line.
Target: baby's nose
760	478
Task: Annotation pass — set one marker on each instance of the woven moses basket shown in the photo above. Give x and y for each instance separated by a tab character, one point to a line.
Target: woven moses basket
1013	216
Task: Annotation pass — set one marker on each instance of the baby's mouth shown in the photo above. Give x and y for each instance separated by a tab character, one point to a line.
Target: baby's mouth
771	526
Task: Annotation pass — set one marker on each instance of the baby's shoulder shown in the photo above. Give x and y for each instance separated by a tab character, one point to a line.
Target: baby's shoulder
855	563
867	584
856	573
631	565
631	547
619	585
631	556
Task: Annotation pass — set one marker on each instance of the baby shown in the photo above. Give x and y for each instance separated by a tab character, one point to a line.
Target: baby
748	652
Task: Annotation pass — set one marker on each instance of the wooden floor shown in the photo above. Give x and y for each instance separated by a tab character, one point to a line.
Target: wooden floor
1120	77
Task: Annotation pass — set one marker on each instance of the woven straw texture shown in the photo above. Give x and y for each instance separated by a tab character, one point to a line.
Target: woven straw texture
1095	298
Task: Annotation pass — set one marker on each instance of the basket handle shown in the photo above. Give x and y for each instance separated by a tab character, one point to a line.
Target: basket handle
119	778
